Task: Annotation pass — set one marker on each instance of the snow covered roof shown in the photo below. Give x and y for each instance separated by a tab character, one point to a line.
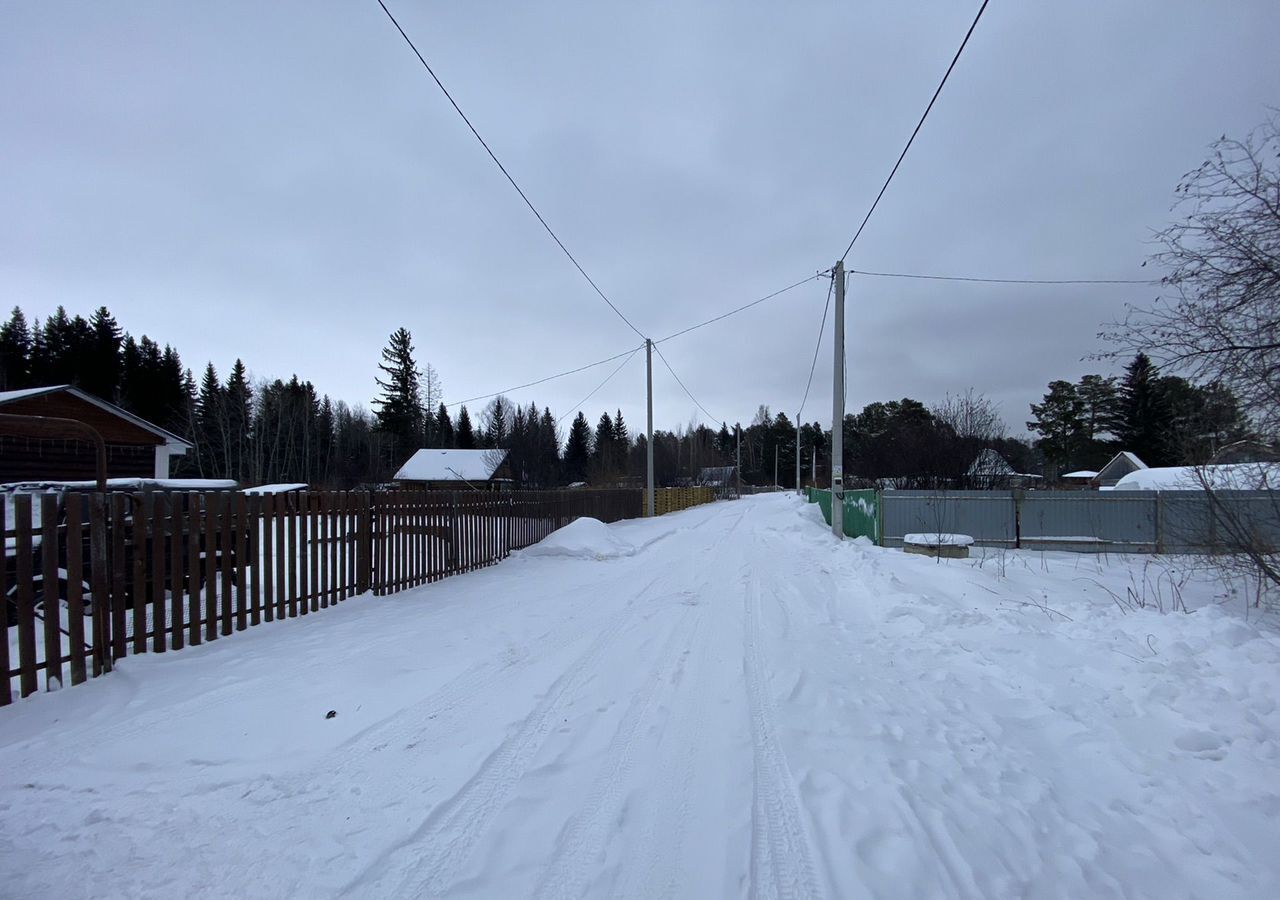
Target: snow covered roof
121	484
10	396
1253	476
275	488
1083	473
991	463
172	440
451	465
1121	464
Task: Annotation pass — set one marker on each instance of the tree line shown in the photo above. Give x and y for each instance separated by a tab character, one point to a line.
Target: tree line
1166	420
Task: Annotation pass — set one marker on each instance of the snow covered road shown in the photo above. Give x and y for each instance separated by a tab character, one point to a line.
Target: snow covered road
728	703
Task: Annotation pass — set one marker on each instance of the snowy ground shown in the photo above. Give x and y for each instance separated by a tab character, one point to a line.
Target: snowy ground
723	702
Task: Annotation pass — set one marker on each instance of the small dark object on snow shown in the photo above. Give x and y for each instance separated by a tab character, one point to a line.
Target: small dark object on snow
330	714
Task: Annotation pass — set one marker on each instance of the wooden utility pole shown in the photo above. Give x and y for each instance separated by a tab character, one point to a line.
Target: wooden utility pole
837	410
648	443
739	430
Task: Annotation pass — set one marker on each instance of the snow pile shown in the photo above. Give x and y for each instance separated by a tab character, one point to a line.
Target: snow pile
938	539
584	538
1253	476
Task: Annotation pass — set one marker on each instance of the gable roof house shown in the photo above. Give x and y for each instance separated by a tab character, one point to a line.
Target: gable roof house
1121	465
991	471
451	470
135	448
722	479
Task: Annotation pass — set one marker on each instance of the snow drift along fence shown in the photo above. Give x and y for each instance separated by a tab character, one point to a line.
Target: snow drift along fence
861	511
159	571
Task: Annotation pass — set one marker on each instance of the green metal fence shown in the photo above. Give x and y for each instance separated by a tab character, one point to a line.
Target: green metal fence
861	511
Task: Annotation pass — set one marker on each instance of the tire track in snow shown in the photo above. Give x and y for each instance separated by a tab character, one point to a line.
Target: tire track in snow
433	711
587	835
443	842
781	852
653	868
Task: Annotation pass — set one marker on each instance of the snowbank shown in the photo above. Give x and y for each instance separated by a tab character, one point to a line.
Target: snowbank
939	540
584	538
1232	477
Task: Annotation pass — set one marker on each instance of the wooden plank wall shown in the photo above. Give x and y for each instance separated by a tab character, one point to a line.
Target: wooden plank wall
160	571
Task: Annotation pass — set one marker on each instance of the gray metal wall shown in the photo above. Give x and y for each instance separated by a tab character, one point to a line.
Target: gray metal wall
1114	521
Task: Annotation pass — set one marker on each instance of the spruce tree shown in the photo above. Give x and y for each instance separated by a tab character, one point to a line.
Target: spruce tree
58	361
399	413
497	423
15	352
464	436
209	436
238	402
1147	420
577	450
548	450
444	428
603	459
101	376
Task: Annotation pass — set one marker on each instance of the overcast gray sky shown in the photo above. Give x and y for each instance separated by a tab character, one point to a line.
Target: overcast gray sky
282	182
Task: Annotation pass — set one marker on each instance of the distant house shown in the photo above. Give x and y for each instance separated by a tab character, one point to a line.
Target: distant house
1080	480
722	479
452	470
135	447
1121	465
991	471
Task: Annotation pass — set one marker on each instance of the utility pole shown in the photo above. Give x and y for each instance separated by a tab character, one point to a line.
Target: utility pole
814	470
797	453
648	441
837	410
738	429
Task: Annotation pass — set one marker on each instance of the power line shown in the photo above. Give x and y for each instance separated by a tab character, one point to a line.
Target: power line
1005	280
903	155
518	387
744	307
821	328
712	418
607	379
503	168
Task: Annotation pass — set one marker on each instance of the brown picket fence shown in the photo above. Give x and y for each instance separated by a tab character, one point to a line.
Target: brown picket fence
160	571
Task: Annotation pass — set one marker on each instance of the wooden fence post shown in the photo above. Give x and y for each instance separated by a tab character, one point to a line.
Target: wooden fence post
364	542
27	679
52	603
75	585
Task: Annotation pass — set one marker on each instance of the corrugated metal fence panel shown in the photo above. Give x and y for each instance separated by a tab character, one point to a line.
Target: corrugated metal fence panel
1186	521
987	516
1123	521
1252	513
861	511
